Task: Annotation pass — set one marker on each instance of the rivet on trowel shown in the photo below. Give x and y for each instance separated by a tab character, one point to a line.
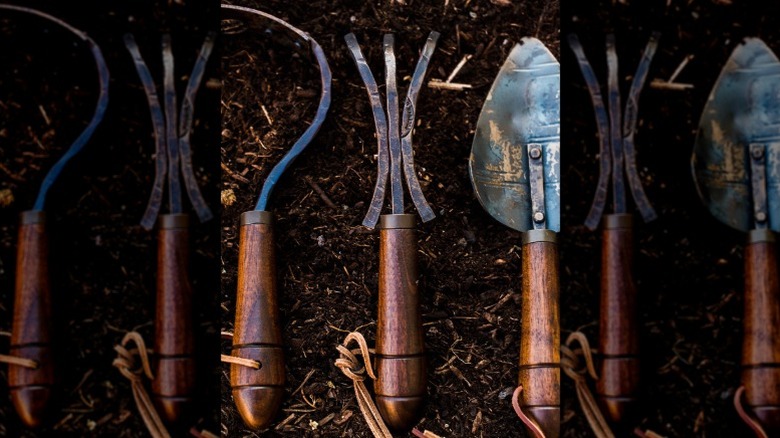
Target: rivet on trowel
757	153
538	216
535	154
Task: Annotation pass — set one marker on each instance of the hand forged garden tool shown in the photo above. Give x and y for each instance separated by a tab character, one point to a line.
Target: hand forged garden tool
174	383
515	170
618	386
31	373
736	167
400	353
257	336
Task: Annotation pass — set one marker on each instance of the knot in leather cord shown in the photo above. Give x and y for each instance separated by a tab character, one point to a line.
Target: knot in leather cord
746	417
357	370
126	364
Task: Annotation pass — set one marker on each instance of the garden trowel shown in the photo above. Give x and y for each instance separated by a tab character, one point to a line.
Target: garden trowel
736	167
515	170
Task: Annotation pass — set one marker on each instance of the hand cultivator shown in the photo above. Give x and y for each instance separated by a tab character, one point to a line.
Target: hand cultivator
257	332
31	373
618	384
400	362
174	384
515	170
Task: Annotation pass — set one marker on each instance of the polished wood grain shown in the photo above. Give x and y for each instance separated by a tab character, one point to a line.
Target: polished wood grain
761	343
31	389
173	387
400	360
257	333
540	337
618	386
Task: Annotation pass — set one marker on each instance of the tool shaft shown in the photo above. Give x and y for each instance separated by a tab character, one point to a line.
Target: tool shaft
258	334
173	386
761	343
400	362
618	382
31	330
540	372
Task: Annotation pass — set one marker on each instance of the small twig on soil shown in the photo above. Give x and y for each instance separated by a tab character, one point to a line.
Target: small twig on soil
286	421
234	174
448	85
660	84
680	68
323	195
458	67
45	116
305	379
267	116
674	86
10	174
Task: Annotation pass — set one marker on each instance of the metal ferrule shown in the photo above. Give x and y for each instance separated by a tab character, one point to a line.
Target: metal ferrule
257	217
32	217
532	236
390	221
617	221
173	221
762	235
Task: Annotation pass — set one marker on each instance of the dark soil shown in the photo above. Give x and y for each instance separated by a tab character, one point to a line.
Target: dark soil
103	264
689	267
327	262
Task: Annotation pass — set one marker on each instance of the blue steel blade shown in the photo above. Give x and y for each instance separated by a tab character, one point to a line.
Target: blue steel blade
743	109
97	116
523	106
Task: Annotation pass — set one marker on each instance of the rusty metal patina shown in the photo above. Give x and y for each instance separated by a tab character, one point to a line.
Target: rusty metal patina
519	121
394	131
736	158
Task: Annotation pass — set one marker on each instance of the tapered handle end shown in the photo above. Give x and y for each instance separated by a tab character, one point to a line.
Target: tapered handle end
31	404
173	387
258	405
400	413
400	390
548	418
617	388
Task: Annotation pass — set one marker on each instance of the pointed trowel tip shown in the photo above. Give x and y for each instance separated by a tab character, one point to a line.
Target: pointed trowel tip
530	51
752	51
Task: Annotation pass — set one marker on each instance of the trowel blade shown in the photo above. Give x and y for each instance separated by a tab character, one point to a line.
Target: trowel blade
743	108
522	107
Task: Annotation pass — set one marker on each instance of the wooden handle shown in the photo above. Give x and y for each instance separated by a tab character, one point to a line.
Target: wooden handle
761	343
540	333
618	385
257	334
31	331
400	359
173	386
